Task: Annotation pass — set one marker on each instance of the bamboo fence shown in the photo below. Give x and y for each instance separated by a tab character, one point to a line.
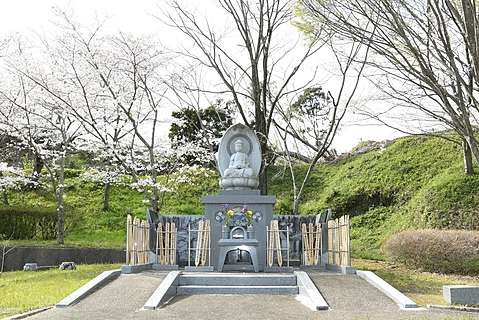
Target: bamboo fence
312	243
273	244
339	243
166	235
137	241
203	245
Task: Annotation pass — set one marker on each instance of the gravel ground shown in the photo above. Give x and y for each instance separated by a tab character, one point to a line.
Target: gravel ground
349	297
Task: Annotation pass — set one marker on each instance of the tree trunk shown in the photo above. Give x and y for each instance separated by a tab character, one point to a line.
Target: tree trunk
106	196
468	169
473	147
296	202
263	180
155	199
37	170
263	174
4	248
5	197
60	202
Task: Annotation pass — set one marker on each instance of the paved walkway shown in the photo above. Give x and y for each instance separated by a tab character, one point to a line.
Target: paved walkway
349	297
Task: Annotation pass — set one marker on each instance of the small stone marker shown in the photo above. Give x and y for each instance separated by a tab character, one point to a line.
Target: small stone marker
30	267
68	266
461	294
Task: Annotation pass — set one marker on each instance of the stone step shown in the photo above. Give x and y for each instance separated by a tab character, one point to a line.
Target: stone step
231	279
193	289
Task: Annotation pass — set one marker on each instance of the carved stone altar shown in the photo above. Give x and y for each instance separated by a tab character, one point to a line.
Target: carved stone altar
239	163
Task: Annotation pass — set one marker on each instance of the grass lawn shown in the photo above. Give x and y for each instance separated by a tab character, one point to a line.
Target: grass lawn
422	287
22	291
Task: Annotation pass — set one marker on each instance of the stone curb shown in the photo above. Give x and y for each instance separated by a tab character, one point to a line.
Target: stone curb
162	267
340	269
137	268
455	308
165	291
27	314
88	288
199	269
279	269
397	296
309	295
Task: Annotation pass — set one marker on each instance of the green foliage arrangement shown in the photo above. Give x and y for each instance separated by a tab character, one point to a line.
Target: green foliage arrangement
444	251
28	223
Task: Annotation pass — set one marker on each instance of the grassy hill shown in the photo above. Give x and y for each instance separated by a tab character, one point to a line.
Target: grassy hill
414	182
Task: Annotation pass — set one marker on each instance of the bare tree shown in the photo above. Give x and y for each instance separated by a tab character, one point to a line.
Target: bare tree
308	126
252	71
426	52
5	248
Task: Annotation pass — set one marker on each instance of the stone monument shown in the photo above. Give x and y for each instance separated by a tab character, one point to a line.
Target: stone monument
239	214
239	159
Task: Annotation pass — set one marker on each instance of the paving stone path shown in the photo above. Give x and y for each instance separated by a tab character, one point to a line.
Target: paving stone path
350	297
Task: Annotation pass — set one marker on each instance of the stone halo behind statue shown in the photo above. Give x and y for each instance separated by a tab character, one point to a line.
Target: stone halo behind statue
239	159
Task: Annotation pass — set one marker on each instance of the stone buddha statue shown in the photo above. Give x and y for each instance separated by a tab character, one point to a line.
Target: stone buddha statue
239	159
239	165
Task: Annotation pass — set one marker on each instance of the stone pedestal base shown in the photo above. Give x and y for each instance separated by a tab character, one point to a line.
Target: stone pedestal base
254	202
238	183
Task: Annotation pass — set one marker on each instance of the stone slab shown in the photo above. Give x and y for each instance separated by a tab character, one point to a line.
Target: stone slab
309	295
277	269
88	288
164	267
398	297
199	269
237	279
240	192
126	269
461	294
165	291
271	290
340	269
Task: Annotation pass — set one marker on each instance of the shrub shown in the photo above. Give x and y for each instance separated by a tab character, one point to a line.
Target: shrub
28	223
444	251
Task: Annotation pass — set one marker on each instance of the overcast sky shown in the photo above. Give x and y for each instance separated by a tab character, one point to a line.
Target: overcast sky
137	17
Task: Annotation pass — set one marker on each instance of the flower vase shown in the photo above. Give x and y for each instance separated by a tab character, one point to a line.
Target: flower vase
250	232
225	232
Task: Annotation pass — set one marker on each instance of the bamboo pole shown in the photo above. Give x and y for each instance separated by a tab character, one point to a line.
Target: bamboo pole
160	252
279	254
317	243
173	243
268	246
128	238
305	244
167	242
141	241
205	240
198	243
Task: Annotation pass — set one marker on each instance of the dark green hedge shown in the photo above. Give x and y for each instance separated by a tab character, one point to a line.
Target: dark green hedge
28	223
444	251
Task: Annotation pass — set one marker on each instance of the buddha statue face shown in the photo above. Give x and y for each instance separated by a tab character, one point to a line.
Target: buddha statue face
238	146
